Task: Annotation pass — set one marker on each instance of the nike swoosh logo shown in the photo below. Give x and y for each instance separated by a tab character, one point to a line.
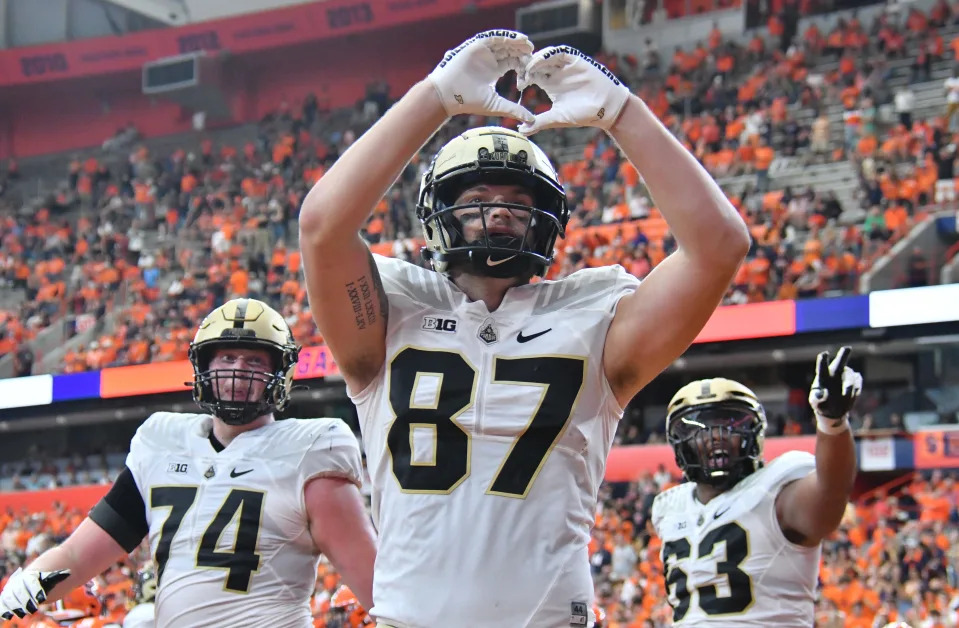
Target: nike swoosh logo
490	262
235	474
720	513
521	338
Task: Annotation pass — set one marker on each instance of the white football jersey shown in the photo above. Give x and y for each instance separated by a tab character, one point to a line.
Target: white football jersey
229	530
727	563
140	616
486	436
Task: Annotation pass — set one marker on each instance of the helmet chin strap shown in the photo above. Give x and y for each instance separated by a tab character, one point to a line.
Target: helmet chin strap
499	264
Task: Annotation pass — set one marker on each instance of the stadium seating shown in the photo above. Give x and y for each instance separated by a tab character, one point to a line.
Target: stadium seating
907	527
129	244
158	228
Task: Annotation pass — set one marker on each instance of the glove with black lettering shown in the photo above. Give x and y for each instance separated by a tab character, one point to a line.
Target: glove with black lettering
466	77
584	92
834	391
27	589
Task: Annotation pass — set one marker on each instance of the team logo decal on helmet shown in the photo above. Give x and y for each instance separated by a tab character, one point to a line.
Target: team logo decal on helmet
704	419
495	156
248	324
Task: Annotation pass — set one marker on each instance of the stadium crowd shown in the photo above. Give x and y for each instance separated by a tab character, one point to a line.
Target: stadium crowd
893	559
158	239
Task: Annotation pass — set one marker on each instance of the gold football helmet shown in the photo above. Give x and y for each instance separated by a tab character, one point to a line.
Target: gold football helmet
702	420
495	156
243	323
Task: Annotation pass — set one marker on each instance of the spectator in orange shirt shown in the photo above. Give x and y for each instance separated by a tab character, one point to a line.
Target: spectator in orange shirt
763	159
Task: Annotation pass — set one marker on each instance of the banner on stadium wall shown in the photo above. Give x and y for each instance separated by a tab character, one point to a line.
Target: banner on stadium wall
148	379
877	454
936	449
82	498
627	462
253	32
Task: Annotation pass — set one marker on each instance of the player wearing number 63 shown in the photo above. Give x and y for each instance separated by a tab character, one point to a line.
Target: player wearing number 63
741	539
237	506
487	403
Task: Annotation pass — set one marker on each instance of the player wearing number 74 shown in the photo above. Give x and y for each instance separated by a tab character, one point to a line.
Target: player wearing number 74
237	506
488	403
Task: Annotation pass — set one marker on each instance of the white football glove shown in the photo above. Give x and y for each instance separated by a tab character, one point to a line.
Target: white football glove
834	391
584	92
27	589
466	77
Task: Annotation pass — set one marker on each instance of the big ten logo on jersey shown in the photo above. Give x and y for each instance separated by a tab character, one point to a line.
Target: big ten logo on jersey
178	467
445	325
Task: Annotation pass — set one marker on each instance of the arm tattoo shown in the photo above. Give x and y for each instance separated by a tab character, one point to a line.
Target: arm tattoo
368	298
382	300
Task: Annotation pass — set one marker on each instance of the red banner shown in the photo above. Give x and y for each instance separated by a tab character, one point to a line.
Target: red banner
315	362
626	463
145	379
80	497
242	34
752	320
163	377
936	450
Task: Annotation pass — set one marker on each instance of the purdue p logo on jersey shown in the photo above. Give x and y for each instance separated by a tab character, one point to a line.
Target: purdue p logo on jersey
487	332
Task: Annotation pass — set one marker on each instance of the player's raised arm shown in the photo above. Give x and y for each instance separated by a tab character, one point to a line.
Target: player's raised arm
655	324
810	509
346	295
